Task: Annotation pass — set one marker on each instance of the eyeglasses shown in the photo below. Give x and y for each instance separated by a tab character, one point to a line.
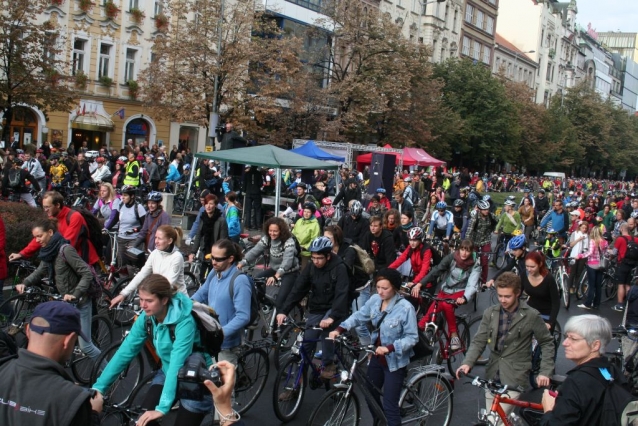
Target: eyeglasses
218	259
573	339
317	259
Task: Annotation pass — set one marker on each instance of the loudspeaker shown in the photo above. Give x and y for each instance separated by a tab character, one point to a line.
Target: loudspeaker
382	173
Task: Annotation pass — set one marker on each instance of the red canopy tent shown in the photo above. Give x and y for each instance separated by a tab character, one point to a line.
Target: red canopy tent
422	157
407	160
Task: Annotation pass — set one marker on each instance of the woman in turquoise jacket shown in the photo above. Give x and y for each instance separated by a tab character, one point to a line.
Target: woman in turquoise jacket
395	334
231	212
166	309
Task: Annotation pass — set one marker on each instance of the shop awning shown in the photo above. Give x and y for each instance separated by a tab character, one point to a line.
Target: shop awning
93	121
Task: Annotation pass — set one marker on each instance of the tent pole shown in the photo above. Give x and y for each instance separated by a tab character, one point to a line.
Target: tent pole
277	190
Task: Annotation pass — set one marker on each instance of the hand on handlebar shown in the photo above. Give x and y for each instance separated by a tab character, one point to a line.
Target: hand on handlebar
489	284
542	381
326	323
116	301
333	334
462	371
416	289
14	256
281	318
69	298
20	288
271	281
460	300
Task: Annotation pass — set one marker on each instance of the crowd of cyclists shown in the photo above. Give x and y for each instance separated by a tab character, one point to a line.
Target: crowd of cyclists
360	262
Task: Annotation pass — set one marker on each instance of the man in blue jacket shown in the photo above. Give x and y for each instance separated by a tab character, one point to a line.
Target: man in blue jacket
228	291
559	219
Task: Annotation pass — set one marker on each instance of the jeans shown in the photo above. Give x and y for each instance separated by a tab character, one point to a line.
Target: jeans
362	330
86	313
391	383
327	346
484	262
595	281
28	198
253	201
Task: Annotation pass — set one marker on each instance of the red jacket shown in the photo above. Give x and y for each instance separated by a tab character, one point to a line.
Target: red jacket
3	254
420	265
70	231
621	245
385	202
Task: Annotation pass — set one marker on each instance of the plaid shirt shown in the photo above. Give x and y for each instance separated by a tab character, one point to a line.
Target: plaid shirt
504	320
480	229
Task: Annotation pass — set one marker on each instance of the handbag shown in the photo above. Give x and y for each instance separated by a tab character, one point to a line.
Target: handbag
604	261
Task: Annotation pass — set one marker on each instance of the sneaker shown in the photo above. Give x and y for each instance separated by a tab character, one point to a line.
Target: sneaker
318	354
583	306
455	344
619	307
329	371
288	395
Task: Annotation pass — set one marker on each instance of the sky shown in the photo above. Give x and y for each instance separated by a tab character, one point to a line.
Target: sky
608	15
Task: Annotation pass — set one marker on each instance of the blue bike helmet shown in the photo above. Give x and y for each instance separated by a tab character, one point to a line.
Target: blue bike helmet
441	205
517	242
320	245
486	198
380	191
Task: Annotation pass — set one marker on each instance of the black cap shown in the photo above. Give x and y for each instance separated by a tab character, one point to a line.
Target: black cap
62	317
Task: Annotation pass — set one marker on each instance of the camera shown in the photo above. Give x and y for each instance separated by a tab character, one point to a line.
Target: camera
192	375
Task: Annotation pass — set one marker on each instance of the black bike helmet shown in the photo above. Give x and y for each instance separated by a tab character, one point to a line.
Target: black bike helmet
310	206
458	202
128	189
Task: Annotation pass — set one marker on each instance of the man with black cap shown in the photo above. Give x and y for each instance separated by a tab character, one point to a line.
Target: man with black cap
52	333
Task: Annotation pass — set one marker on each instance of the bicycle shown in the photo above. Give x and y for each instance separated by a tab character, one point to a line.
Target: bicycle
557	266
251	374
500	252
557	335
435	333
499	391
124	414
292	378
426	396
618	357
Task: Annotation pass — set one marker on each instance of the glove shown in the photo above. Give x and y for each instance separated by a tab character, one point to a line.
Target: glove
188	241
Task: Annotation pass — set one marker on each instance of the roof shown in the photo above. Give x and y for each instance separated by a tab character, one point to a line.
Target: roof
502	41
267	156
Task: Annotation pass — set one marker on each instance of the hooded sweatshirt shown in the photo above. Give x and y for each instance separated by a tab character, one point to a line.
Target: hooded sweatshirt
168	264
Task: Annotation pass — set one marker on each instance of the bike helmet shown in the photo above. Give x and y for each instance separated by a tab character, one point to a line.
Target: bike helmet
122	158
458	203
380	191
408	179
120	162
356	208
483	205
320	245
486	197
310	206
511	198
19	161
187	167
154	196
472	196
517	242
510	203
441	205
552	231
128	189
589	210
415	233
99	160
634	215
54	157
326	201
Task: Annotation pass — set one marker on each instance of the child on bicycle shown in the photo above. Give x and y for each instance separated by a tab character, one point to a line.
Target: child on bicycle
459	274
552	245
419	254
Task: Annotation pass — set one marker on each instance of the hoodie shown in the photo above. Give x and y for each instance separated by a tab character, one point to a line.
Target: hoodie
168	264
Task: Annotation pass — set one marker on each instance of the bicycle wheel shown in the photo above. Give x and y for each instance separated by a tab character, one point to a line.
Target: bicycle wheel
192	283
583	285
337	407
113	418
102	337
126	314
251	376
473	326
500	256
16	312
126	381
455	358
564	283
610	288
427	400
139	393
289	390
284	343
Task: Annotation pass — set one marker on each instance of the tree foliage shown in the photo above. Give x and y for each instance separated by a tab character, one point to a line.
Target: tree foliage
30	73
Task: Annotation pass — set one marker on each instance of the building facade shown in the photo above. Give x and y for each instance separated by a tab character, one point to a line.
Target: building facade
626	44
478	30
547	28
513	63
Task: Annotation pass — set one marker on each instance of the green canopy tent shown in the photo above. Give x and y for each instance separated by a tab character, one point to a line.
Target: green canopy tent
266	156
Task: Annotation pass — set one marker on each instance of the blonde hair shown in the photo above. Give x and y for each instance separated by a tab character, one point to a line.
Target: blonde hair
110	190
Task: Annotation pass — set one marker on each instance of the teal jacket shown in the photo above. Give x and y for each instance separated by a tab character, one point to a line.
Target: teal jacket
172	354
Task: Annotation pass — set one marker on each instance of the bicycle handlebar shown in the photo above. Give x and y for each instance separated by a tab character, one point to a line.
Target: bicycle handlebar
492	386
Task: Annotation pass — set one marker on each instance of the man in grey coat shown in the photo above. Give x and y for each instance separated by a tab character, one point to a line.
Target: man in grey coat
508	329
153	171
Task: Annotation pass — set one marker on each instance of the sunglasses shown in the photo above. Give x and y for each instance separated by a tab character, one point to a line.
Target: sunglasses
218	259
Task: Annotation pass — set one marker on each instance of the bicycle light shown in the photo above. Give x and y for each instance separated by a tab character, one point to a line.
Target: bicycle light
344	376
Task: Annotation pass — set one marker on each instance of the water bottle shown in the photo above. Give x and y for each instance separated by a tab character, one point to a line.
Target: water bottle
516	420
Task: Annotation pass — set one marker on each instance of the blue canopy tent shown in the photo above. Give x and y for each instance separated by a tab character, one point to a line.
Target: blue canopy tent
310	149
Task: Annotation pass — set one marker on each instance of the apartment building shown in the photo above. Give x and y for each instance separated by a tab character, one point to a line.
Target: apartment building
478	30
513	63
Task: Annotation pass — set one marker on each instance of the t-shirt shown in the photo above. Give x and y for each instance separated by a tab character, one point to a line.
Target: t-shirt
105	208
128	220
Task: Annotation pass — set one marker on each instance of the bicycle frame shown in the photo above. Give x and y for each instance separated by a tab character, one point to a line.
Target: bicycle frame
497	409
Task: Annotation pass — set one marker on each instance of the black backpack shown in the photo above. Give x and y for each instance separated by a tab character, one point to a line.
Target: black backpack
618	406
631	254
254	296
92	232
15	178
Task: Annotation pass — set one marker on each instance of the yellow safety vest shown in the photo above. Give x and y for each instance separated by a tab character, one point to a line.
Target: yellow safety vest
133	181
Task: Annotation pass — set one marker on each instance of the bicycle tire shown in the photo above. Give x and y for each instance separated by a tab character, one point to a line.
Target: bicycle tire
126	381
610	288
565	295
192	283
139	393
125	316
290	377
473	326
113	418
455	359
427	400
251	375
500	256
284	343
583	285
101	337
337	407
17	310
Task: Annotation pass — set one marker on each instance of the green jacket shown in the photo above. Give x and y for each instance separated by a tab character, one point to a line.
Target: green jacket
506	224
515	361
71	277
306	231
172	354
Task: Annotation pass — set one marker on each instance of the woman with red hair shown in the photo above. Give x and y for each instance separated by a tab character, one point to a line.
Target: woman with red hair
541	288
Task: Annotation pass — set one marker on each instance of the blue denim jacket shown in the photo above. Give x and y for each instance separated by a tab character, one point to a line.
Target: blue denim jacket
398	327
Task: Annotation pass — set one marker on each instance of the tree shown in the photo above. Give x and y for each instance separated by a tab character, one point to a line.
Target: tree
30	74
253	67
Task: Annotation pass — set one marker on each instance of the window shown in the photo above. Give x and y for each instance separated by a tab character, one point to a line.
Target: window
456	17
466	46
487	54
133	4
447	13
129	66
158	8
78	55
49	48
105	60
469	13
498	64
480	17
489	25
476	53
493	1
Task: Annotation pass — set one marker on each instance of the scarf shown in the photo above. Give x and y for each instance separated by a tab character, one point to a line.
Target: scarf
463	264
391	226
407	227
49	253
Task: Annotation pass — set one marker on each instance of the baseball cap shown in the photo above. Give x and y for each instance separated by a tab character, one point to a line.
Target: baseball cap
63	318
